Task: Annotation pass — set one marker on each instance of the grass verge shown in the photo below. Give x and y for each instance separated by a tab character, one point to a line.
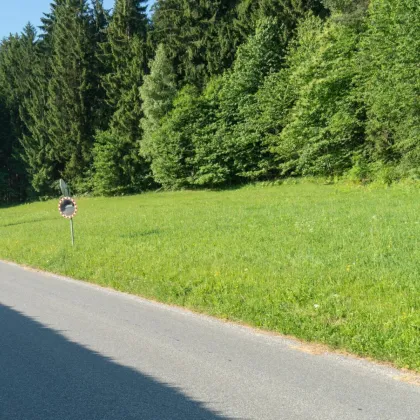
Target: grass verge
333	264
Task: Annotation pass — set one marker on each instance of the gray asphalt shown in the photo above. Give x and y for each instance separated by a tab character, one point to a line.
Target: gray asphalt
69	350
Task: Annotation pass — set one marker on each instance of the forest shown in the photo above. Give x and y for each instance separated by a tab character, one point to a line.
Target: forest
209	94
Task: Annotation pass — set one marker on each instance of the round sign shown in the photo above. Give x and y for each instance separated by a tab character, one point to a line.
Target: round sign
67	207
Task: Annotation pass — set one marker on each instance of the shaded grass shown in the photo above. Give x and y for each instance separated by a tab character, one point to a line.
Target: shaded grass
333	264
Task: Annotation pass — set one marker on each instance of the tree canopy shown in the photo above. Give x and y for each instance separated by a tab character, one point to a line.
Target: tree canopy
209	93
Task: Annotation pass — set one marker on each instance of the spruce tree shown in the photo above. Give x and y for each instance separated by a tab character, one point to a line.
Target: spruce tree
239	139
126	52
208	138
38	151
99	20
9	189
47	24
15	66
172	147
199	36
16	63
70	89
36	148
287	13
157	93
5	152
117	149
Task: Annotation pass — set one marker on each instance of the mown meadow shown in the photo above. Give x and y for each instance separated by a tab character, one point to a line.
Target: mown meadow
334	264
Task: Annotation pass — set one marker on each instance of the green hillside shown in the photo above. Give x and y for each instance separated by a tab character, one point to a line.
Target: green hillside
334	264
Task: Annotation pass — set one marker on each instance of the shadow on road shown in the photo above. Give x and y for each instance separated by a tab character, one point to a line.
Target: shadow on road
44	376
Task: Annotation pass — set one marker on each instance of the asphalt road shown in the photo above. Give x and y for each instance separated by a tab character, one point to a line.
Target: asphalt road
69	350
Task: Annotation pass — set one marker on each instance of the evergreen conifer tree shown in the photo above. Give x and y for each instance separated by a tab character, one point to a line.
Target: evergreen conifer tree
38	151
47	24
199	36
207	139
12	187
70	89
99	18
5	150
117	149
127	53
16	63
157	93
240	139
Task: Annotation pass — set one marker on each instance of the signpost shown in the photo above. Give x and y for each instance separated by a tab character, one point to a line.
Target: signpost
67	207
64	188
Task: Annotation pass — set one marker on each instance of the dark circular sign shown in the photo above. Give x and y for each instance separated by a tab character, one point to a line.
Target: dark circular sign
67	207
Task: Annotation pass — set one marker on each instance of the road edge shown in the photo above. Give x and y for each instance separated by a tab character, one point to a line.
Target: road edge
294	343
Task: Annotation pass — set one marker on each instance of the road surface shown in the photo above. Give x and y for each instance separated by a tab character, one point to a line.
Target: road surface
69	350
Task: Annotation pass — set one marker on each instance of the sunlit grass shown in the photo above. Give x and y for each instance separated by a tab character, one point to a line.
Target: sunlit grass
333	264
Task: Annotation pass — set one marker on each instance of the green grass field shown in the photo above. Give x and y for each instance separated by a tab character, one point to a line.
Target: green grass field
333	264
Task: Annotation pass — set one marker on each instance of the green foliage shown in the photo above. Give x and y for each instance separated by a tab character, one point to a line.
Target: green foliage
211	159
70	90
17	57
157	94
202	36
48	21
129	19
171	146
209	136
36	150
389	62
107	176
123	89
238	91
288	12
347	7
99	20
275	98
117	169
361	170
7	191
240	138
125	53
325	125
199	36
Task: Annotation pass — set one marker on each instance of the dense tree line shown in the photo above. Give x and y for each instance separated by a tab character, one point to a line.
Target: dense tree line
208	93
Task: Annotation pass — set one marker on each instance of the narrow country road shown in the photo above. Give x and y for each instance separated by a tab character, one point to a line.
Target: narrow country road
69	350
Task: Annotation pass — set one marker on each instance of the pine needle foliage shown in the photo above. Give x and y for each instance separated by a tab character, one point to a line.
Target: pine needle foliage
116	150
69	110
157	93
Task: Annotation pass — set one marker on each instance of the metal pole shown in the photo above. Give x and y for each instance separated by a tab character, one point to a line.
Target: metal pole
72	231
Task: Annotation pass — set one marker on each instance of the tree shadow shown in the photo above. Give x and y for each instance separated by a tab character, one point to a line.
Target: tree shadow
24	222
139	234
44	376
